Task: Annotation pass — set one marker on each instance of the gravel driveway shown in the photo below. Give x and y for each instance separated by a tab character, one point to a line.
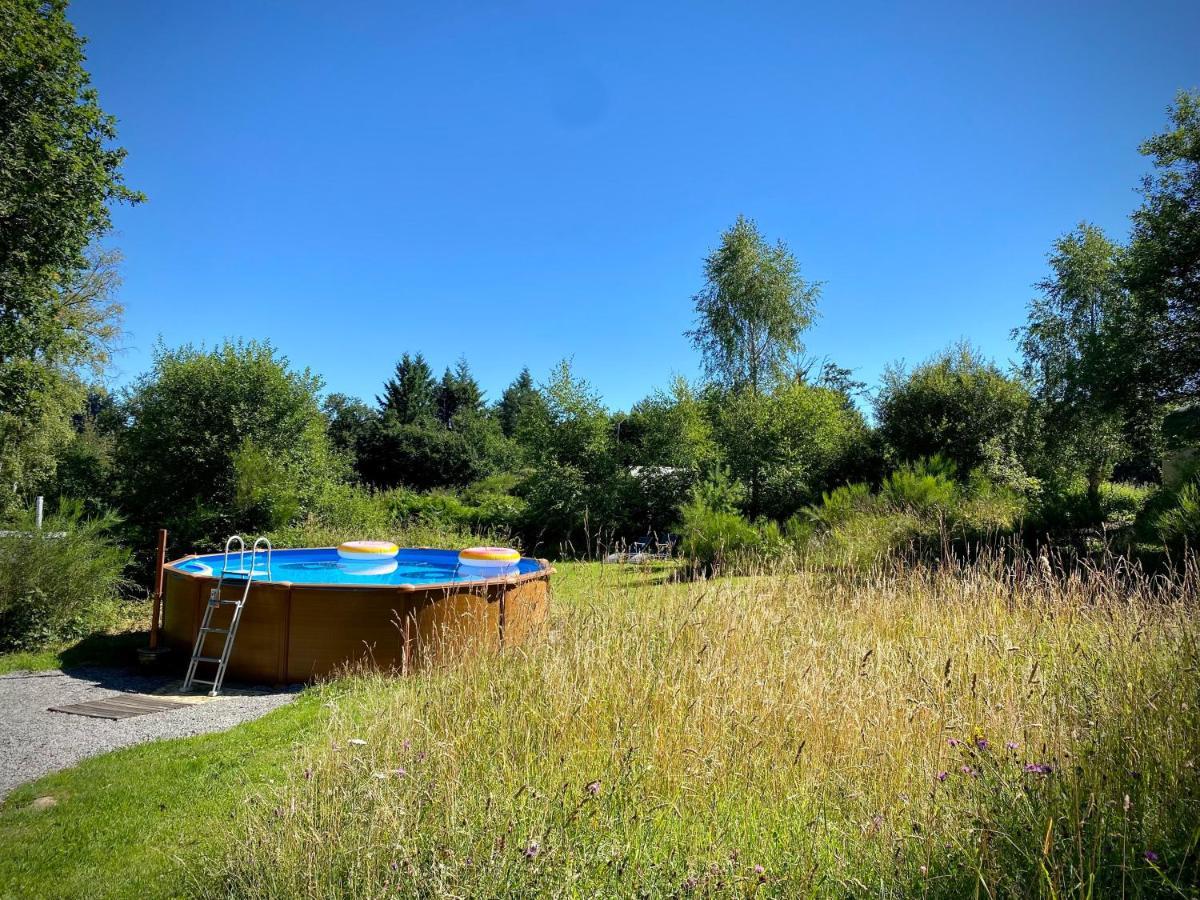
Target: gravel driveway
35	741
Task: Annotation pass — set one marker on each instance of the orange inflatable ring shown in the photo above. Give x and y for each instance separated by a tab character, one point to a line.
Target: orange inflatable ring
367	551
489	557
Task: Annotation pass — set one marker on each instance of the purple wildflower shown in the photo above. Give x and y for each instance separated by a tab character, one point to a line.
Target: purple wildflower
689	884
1010	745
761	873
406	744
395	866
532	850
982	743
941	776
593	788
953	742
1038	768
967	770
1151	856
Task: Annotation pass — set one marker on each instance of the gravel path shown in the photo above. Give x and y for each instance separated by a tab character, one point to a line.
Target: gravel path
35	741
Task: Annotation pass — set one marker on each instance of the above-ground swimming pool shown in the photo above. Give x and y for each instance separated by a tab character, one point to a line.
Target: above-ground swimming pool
311	612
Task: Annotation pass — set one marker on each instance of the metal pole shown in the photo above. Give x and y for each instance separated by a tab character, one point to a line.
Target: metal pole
41	505
160	559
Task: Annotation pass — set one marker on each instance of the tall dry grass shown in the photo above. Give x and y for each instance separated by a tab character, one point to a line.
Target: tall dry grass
984	730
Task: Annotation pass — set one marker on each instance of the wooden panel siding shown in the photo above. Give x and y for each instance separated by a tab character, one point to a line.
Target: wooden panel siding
293	632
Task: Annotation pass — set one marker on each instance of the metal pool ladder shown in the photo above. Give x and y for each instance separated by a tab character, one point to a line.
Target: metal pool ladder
237	575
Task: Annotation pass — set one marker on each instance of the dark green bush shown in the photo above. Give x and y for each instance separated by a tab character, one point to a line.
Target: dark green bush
1178	525
714	540
61	582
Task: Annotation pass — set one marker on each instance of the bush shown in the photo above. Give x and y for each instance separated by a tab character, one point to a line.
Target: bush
1066	508
220	441
955	404
440	519
715	539
61	582
1179	524
919	507
925	487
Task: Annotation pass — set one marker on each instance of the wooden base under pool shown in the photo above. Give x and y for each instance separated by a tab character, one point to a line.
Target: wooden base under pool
296	632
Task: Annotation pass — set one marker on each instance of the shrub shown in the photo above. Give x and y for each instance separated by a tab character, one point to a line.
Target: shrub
220	441
60	582
841	504
919	507
955	404
1067	507
1179	524
715	539
925	487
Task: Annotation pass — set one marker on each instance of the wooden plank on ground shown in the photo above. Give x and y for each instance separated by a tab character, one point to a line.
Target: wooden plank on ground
120	706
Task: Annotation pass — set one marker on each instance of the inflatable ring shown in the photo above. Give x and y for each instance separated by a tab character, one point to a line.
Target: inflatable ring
367	551
489	557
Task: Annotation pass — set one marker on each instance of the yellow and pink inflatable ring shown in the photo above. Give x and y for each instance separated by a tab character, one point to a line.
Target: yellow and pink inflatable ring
489	557
367	551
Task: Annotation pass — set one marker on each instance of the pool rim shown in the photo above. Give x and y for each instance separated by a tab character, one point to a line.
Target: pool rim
544	570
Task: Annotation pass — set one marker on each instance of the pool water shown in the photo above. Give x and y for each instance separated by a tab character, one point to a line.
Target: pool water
324	566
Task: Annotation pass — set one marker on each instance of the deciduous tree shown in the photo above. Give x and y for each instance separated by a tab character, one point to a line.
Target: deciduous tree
752	310
60	173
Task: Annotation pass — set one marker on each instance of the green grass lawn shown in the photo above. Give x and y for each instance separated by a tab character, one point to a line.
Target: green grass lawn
138	821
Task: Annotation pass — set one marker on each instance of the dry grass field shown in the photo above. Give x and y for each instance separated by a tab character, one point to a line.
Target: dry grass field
988	730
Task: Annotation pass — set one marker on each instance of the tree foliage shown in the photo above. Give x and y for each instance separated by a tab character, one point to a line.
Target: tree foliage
59	176
956	405
1078	354
1164	254
785	446
519	398
752	310
410	395
222	441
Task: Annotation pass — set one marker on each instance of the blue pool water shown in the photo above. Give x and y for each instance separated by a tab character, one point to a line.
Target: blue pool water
324	566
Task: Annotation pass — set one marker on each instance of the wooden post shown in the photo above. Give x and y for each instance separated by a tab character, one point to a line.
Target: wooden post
160	560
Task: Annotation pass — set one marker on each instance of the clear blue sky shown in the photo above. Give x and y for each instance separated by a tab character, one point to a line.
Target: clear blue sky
519	182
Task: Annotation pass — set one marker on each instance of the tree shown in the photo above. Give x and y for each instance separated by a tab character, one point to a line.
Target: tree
574	489
458	392
423	456
518	398
670	429
1078	355
411	394
222	441
350	423
1164	254
666	444
788	445
957	405
752	310
59	176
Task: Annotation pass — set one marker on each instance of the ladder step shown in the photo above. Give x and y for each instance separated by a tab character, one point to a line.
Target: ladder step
215	630
202	681
215	659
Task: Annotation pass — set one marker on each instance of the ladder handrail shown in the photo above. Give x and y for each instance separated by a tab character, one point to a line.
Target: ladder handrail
261	545
241	552
262	541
